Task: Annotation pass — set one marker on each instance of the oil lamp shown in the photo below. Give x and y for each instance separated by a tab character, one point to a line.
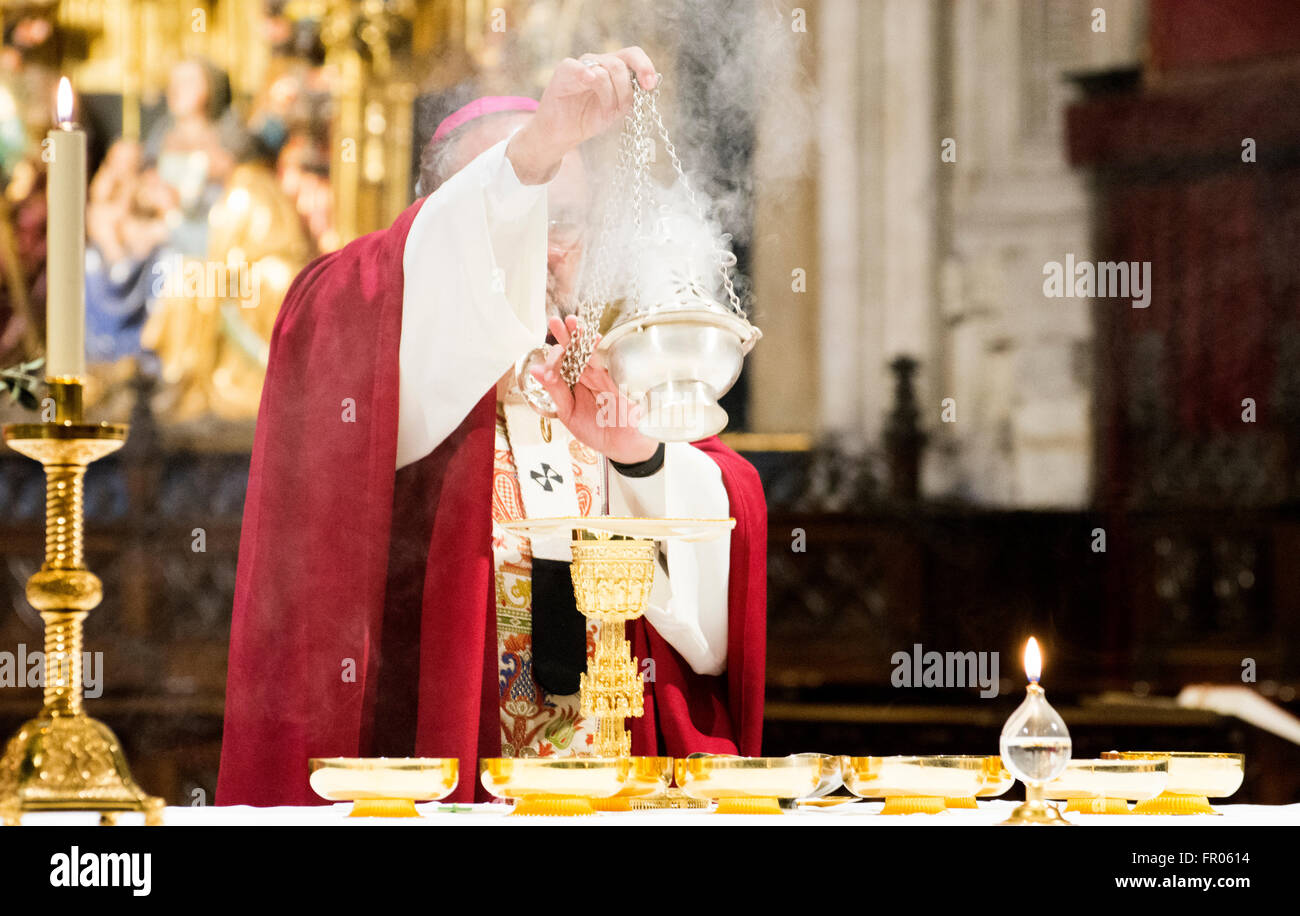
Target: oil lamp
1035	746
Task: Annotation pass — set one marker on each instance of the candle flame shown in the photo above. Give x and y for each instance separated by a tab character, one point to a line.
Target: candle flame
64	103
1033	660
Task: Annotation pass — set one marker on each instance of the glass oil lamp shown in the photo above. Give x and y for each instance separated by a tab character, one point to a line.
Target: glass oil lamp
1035	746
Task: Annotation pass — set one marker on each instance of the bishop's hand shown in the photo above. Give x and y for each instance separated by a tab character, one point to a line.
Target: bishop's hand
584	98
595	411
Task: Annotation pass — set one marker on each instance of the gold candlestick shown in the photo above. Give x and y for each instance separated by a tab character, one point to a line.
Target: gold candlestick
63	760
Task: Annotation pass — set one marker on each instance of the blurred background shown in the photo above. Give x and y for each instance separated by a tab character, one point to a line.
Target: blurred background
954	460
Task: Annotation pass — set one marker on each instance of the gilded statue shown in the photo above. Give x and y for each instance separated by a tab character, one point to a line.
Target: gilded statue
212	321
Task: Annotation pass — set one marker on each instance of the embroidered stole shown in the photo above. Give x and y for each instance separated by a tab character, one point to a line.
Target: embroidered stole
535	478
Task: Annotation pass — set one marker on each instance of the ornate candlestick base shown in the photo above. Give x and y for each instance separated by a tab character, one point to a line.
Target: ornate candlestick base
63	760
62	763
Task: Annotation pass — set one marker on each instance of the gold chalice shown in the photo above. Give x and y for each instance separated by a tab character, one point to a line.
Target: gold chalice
612	576
384	786
613	570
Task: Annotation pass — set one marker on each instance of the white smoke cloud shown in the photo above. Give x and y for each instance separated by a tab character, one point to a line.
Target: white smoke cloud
729	64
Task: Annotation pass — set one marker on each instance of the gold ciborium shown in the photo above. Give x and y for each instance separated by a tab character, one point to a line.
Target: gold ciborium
63	760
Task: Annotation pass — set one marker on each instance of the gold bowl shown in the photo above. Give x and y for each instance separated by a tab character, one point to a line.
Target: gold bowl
926	785
612	576
1194	778
383	786
1107	785
573	785
752	785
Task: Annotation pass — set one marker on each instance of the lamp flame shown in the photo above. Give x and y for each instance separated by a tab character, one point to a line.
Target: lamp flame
1033	660
63	105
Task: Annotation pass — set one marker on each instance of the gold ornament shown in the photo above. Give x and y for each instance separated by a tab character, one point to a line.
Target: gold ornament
612	577
63	760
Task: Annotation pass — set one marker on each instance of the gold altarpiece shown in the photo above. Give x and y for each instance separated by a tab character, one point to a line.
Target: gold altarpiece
368	47
379	54
128	47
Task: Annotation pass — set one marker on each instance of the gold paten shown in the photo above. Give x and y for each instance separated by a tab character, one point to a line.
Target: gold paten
384	786
658	529
63	760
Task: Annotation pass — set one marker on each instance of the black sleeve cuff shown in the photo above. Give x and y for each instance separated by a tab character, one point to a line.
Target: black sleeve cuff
647	468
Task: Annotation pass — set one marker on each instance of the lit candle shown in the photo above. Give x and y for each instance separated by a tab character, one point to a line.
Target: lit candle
1033	661
65	245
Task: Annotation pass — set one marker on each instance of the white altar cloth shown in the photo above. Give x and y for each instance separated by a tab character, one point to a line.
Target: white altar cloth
857	814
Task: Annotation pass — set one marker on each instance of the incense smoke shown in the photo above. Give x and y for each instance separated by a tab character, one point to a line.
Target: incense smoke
725	65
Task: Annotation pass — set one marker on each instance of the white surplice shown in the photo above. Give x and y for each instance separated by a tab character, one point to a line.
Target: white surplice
473	302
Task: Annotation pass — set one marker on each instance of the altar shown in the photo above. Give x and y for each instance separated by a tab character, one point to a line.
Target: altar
863	814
